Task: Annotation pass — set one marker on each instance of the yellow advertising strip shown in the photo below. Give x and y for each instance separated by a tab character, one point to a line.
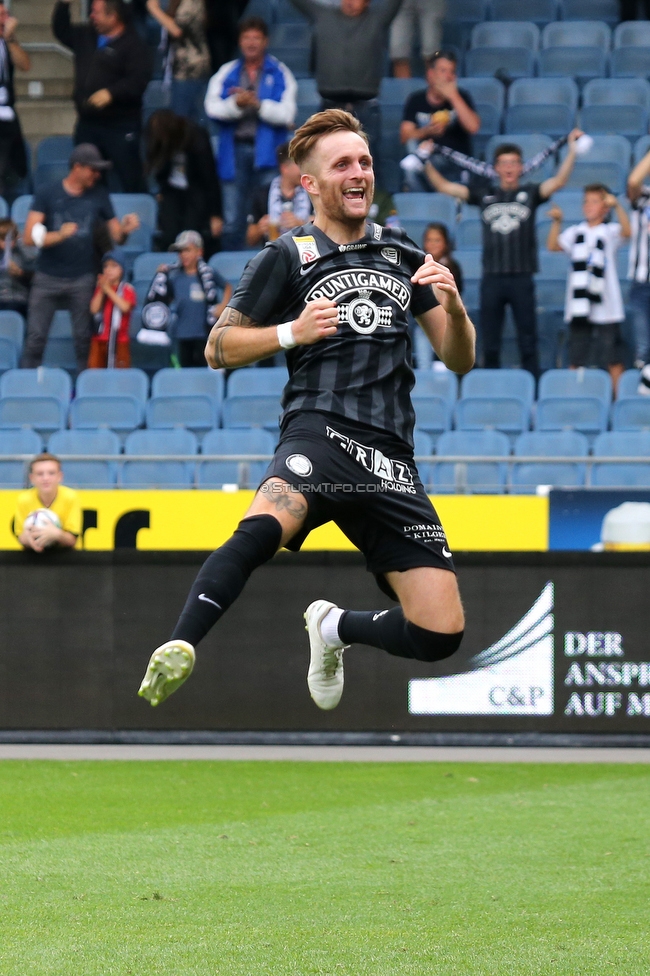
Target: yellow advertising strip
205	519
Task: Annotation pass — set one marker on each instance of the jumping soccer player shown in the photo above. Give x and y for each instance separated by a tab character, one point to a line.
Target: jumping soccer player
336	294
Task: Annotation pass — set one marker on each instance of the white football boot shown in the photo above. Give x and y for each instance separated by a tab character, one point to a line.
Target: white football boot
325	676
169	666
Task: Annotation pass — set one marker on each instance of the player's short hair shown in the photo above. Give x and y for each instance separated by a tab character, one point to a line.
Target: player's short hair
437	55
45	456
253	24
282	154
507	149
597	188
319	125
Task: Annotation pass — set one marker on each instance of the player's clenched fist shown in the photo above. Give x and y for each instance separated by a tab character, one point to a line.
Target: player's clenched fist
318	320
443	283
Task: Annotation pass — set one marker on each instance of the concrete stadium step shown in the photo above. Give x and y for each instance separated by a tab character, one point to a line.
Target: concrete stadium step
42	117
43	88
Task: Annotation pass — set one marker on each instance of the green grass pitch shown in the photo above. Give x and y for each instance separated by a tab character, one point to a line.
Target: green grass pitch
346	869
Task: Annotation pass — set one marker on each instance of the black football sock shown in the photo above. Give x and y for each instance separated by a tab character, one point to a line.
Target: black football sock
392	632
224	574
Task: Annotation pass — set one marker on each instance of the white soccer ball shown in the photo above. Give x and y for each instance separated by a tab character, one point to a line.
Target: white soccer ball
42	517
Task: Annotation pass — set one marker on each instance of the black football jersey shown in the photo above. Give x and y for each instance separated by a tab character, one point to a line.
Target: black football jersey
363	372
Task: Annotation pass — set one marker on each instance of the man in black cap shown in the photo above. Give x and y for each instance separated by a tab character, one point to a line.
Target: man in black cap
63	223
111	68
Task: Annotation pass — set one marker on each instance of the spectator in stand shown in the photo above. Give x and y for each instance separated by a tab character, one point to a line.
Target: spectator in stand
254	101
638	192
281	206
13	158
47	491
437	243
179	157
223	16
17	264
111	308
441	112
509	246
417	18
350	44
594	305
112	69
190	292
188	57
62	223
630	9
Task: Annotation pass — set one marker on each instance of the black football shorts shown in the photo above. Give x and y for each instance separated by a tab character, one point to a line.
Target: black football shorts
367	483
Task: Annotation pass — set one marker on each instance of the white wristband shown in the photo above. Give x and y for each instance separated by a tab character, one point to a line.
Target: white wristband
285	335
38	234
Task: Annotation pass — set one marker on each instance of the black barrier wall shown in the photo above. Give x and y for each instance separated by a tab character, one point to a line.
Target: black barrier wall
554	642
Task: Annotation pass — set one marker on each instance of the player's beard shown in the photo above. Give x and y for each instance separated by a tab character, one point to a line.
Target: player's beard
333	206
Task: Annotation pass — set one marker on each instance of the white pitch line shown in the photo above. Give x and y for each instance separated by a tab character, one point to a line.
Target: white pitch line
469	754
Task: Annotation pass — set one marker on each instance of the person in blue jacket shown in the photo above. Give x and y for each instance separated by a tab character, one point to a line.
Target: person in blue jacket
254	101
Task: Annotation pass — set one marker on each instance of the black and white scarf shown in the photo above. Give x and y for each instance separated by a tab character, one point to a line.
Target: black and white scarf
415	161
587	276
300	205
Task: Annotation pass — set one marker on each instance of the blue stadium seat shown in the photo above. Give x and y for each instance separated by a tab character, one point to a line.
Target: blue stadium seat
113	382
620	444
552	264
632	33
565	443
468	11
159	474
628	384
539	11
12	327
146	265
13	474
436	382
296	34
86	473
42	382
256	381
231	264
576	382
489	476
469	233
530	145
415	229
587	414
516	33
8	354
119	413
48	173
544	91
248	411
188	381
631	414
607	10
517	383
245	474
470	262
486	91
433	415
142	204
393	91
426	206
551	120
197	412
422	446
20	208
297	59
616	105
44	413
617	91
563	33
285	13
569	201
508	414
576	62
308	100
484	62
54	149
550	293
630	62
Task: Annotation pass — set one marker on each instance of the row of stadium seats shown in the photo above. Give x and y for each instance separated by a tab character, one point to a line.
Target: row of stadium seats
92	459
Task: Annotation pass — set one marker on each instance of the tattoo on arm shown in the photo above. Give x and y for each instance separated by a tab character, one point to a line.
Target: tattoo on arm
228	318
220	333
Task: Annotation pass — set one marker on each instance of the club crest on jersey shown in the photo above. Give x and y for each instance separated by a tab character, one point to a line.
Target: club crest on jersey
391	254
307	249
364	316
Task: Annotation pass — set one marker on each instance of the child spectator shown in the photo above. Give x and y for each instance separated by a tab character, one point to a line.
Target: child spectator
437	243
111	307
47	491
17	264
183	300
594	304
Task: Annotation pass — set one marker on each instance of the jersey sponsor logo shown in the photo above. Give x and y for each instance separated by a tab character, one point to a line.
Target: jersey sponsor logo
503	218
392	254
339	284
299	464
394	475
428	533
377	230
364	316
307	249
352	247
